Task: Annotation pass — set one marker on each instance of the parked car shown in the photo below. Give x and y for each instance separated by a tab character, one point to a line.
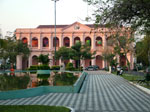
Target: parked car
94	67
91	68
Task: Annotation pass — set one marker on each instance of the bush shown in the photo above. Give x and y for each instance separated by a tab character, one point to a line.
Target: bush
70	67
43	67
55	67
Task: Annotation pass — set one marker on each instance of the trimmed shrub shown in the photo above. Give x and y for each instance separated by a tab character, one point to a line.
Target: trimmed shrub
70	67
55	67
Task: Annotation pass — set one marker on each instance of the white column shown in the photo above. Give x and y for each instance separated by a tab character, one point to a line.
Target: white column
83	63
93	42
51	59
30	60
71	41
51	41
30	40
60	62
104	41
61	40
40	42
19	62
83	39
103	63
94	61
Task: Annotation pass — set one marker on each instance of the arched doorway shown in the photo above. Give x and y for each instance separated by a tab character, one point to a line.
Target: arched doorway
45	42
57	42
24	63
88	41
34	60
99	61
88	62
57	61
98	42
76	40
66	42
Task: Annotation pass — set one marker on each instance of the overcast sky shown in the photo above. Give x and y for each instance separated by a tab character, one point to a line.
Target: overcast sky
31	13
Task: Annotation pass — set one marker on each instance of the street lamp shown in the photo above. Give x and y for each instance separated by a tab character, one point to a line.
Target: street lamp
55	29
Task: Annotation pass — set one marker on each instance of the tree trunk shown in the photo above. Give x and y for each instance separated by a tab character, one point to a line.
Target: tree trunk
128	63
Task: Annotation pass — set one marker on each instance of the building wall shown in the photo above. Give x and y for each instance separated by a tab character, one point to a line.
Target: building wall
71	31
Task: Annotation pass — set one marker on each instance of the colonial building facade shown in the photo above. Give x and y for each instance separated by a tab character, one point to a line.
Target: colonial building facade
41	40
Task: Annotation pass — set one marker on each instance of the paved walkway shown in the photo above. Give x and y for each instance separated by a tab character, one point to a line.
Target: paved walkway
101	92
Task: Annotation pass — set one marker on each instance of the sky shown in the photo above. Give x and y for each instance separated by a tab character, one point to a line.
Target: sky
31	13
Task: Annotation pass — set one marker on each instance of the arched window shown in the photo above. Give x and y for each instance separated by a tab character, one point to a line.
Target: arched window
66	42
24	40
57	42
34	60
88	41
45	42
76	40
99	41
34	42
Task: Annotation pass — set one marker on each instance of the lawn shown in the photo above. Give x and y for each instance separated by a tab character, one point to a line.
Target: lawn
134	79
32	108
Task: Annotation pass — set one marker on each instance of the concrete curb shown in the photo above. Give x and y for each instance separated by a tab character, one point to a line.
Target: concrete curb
141	87
72	110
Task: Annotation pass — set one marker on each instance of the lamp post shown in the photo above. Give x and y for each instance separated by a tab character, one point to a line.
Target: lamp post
55	29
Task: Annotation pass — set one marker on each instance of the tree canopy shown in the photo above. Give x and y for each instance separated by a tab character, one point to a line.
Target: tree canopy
77	52
143	51
10	48
134	13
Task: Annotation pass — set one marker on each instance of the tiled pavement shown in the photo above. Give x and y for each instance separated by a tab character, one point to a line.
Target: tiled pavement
101	92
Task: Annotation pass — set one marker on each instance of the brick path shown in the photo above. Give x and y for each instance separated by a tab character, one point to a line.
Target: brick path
101	92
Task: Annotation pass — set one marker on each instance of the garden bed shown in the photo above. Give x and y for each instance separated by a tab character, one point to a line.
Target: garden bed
32	108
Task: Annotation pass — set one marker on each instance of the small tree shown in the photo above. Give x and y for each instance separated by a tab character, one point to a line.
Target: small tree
44	59
82	52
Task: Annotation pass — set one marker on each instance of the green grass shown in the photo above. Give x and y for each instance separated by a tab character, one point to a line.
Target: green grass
32	108
134	79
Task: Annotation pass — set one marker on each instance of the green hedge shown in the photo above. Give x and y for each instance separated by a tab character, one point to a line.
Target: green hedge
55	67
32	108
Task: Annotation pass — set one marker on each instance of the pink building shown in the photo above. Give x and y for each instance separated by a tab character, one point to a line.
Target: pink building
41	41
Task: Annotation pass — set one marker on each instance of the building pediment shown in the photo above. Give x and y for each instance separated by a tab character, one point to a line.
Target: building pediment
76	27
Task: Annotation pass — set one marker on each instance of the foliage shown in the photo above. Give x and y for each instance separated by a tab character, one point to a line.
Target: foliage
109	57
64	53
8	82
82	52
76	52
11	49
143	50
44	59
39	67
70	67
32	108
64	78
55	67
134	13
